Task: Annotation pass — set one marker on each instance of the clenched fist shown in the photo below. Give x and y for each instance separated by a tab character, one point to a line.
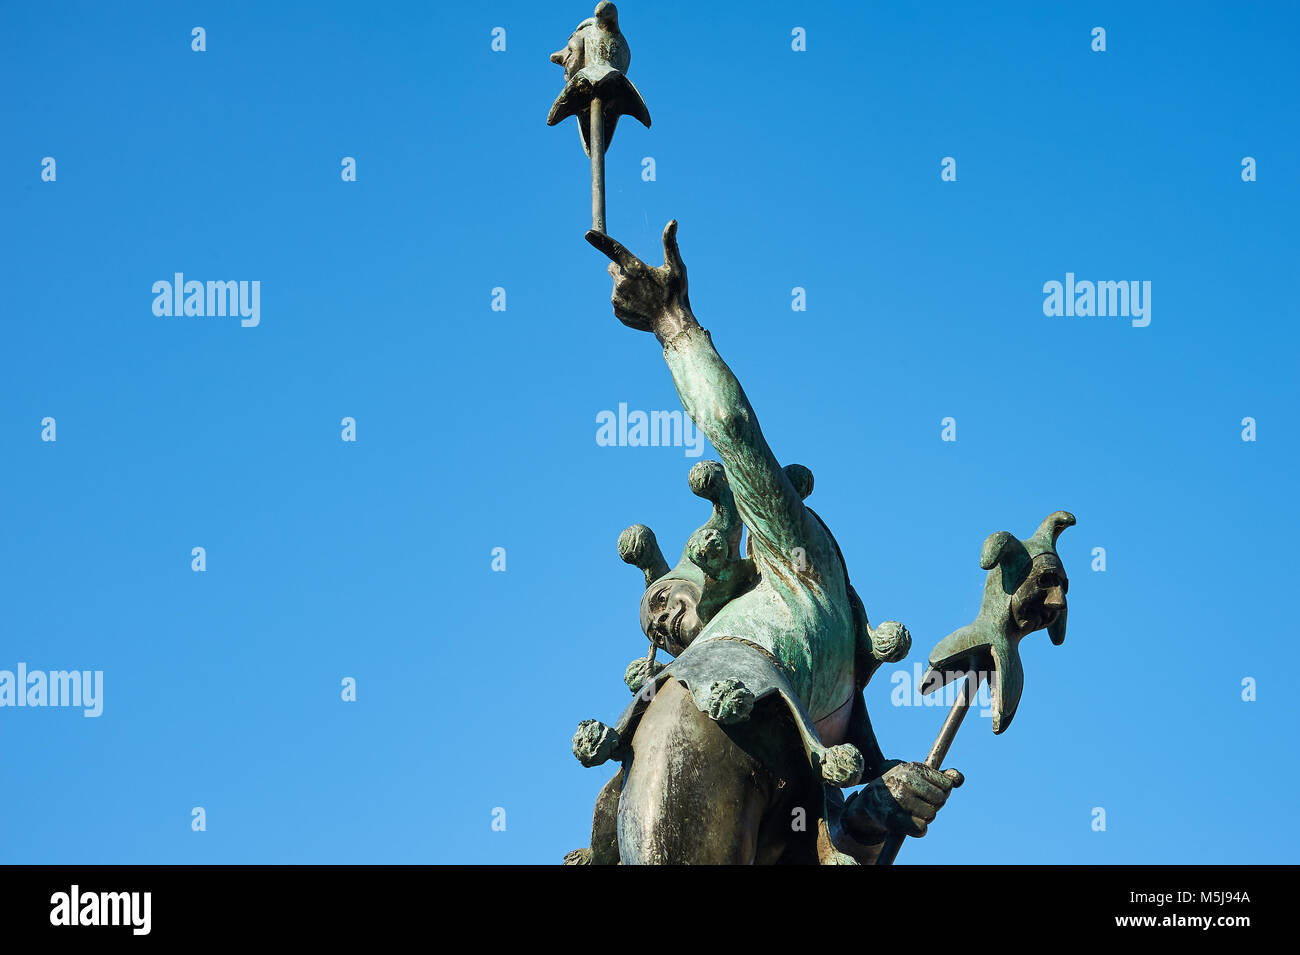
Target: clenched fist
905	800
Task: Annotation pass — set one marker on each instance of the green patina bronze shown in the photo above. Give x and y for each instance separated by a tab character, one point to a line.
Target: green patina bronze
761	719
1025	591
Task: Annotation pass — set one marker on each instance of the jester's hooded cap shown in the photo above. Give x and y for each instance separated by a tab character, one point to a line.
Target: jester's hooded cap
711	559
595	62
991	640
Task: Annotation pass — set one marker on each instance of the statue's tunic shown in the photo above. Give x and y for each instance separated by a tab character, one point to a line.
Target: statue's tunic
799	612
793	635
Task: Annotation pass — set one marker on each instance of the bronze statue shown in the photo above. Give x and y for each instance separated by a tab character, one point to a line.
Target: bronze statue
737	751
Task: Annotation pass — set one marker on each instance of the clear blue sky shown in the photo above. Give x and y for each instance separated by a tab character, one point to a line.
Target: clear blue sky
476	428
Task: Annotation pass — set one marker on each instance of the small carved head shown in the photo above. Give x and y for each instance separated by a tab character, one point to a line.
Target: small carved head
1031	574
596	39
571	56
1039	602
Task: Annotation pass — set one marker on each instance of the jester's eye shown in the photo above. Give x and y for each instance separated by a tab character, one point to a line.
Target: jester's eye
1050	580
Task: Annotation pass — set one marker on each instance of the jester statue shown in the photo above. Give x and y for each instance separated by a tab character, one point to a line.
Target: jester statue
738	751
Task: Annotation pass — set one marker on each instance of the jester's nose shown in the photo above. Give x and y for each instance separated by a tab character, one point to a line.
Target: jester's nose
558	56
1055	599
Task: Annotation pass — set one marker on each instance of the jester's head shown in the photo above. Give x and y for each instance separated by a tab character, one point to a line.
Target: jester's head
670	610
679	603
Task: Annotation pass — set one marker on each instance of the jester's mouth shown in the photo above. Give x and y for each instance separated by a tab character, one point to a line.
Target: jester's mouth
675	626
1042	618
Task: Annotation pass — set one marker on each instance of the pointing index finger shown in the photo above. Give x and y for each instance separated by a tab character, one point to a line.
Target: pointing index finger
612	248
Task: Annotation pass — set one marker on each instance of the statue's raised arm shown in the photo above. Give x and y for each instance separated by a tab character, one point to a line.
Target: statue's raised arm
656	300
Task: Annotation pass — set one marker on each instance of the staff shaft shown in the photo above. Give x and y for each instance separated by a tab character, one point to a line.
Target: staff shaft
965	697
597	147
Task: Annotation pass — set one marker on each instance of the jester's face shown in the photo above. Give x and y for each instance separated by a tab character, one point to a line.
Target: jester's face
1040	600
570	57
669	614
